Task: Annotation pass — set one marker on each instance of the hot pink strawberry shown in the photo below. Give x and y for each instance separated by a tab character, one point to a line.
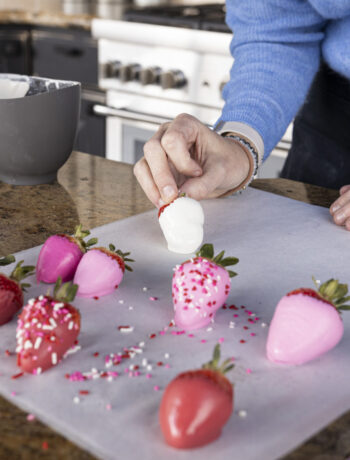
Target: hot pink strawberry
61	254
11	288
47	328
307	323
200	287
100	271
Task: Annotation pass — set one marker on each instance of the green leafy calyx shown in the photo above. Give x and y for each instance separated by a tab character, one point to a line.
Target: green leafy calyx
79	236
214	364
123	255
334	292
207	252
64	292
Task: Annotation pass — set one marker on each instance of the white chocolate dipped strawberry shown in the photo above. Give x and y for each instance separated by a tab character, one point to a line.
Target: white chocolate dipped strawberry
307	323
200	287
182	223
47	328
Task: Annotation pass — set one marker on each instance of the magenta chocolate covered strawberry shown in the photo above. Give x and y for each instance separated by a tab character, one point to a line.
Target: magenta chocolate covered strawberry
200	287
61	254
307	323
47	328
11	288
101	271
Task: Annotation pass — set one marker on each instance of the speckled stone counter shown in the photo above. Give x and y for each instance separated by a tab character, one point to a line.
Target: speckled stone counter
95	191
46	19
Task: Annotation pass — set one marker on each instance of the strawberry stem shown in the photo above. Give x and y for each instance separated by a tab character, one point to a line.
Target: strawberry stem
7	260
64	292
80	234
334	292
213	365
123	255
207	252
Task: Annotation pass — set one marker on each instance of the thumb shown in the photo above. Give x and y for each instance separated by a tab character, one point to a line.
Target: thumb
205	186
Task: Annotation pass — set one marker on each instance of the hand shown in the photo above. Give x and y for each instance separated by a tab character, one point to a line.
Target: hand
185	155
340	209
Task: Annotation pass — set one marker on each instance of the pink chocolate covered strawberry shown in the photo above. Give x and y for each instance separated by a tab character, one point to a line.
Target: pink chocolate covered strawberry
11	288
100	271
47	328
307	323
61	254
200	287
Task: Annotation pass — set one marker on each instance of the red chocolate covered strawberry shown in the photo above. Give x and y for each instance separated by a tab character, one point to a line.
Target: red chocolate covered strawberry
47	328
197	404
11	290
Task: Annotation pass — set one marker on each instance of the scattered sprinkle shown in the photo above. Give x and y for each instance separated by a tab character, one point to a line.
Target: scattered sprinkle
248	371
30	417
76	400
263	324
125	329
203	341
221	340
153	298
109	406
166	356
121	301
242	413
156	388
242	341
145	289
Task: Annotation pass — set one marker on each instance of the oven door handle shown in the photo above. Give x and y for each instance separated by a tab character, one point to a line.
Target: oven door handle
106	111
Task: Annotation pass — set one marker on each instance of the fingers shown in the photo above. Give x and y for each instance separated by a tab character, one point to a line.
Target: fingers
344	189
158	165
177	141
145	179
340	209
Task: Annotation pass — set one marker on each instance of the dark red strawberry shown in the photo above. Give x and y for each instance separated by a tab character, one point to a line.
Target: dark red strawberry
47	328
11	290
197	404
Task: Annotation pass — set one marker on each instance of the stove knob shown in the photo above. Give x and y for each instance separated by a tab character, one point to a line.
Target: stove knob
172	79
150	75
110	69
129	72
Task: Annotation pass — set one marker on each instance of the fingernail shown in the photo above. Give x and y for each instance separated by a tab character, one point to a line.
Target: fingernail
339	217
197	172
168	191
161	203
335	208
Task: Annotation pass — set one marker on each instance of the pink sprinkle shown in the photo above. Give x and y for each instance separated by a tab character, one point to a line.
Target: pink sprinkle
153	298
167	366
13	393
162	333
30	417
248	371
156	388
249	312
235	316
221	340
137	374
253	334
190	335
108	406
256	319
148	376
203	341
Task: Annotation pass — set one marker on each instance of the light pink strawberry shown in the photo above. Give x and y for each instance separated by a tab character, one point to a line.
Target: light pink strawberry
200	287
307	323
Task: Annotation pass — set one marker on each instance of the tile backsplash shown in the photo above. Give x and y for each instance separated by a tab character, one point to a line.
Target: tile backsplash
31	5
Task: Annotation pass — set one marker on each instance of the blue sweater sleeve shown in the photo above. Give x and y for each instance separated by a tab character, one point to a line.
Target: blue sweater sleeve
276	48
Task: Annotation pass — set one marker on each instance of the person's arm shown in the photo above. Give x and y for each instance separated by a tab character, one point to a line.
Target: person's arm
276	48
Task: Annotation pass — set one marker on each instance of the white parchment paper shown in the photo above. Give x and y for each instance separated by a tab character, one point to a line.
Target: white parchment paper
280	244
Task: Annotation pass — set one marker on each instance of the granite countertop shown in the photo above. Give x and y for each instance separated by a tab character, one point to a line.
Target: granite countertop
95	191
45	18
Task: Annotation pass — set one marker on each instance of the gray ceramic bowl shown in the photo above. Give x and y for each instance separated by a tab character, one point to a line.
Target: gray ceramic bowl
38	123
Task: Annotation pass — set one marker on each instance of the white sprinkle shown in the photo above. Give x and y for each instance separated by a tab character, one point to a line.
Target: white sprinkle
72	350
141	344
39	325
31	302
46	327
263	324
38	371
34	320
28	344
131	308
54	358
144	362
166	356
27	325
94	370
18	349
38	342
109	378
96	376
242	413
126	329
52	338
70	325
53	322
68	315
108	364
149	367
145	289
76	400
58	306
209	329
121	301
41	297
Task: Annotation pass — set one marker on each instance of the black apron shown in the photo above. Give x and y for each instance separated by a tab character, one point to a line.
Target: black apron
320	152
